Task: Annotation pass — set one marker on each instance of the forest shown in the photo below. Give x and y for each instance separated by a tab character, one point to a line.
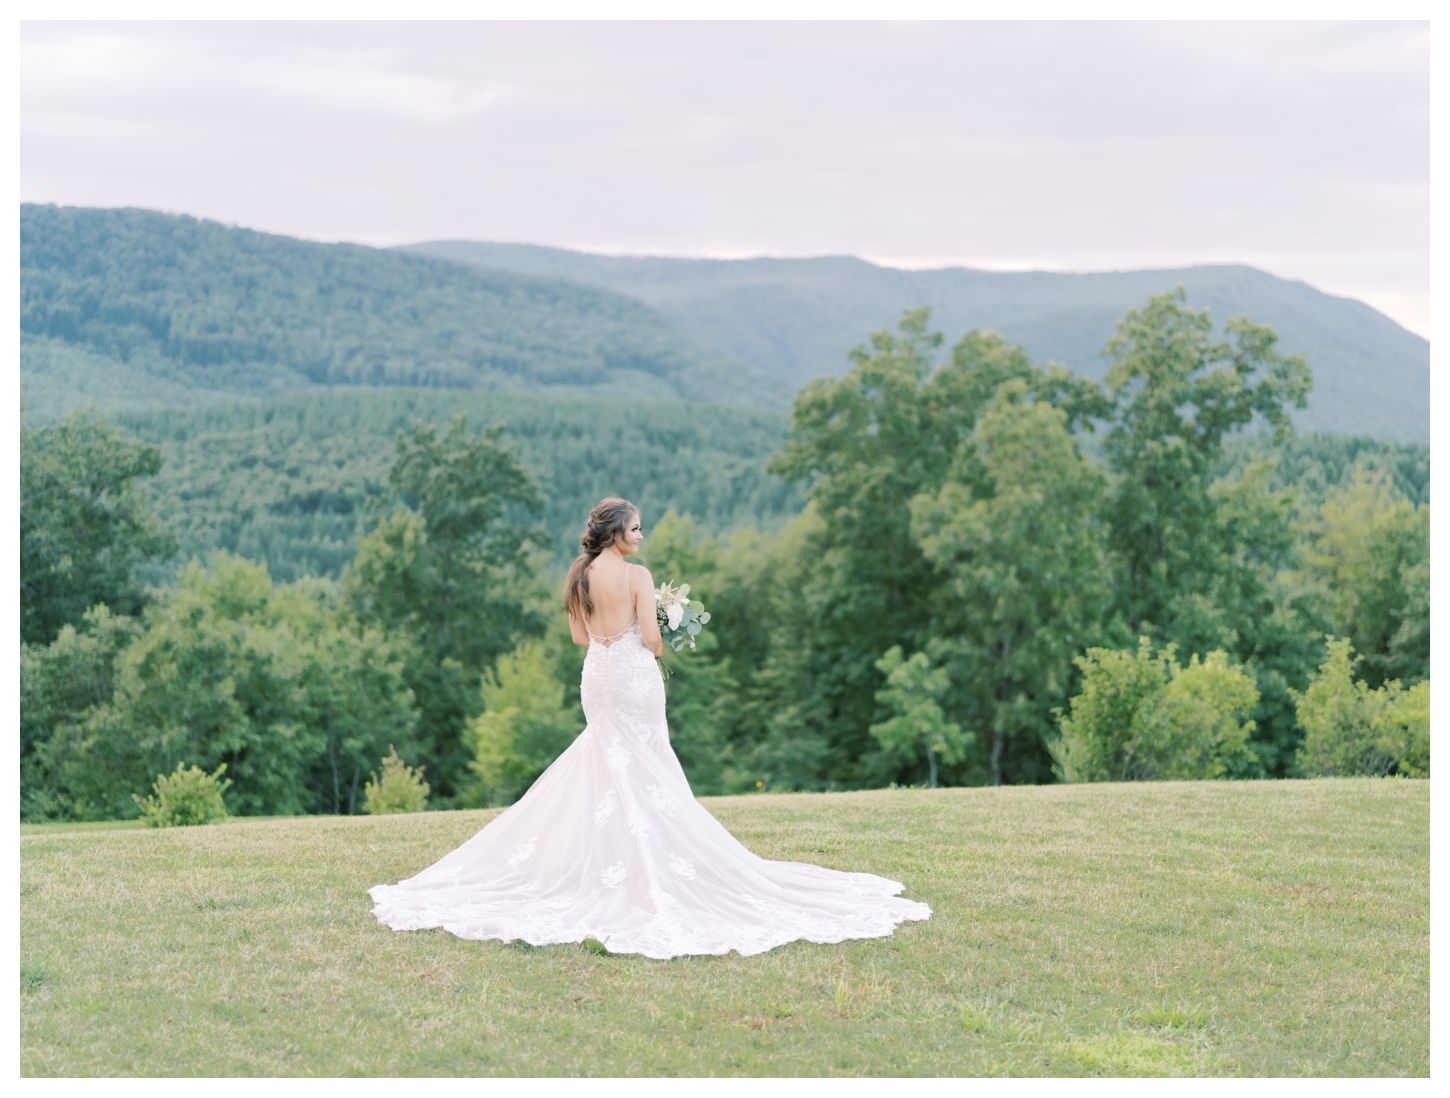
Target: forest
286	481
951	565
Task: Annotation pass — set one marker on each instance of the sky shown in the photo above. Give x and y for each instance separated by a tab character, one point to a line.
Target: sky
1300	148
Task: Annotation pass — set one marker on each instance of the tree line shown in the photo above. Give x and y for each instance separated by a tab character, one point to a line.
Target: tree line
1004	573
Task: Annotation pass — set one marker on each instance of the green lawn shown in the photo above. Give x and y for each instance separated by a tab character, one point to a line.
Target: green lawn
1276	928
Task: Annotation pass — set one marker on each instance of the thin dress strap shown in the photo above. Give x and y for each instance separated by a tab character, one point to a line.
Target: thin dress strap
632	621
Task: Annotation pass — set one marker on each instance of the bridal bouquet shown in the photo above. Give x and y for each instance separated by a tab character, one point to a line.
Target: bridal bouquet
680	619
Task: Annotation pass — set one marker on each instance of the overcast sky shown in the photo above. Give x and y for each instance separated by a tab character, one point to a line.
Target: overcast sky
1301	148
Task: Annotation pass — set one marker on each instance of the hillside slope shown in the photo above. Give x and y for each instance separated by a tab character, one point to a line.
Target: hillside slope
796	318
135	308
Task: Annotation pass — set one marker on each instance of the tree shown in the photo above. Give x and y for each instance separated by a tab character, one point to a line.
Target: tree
524	727
1370	549
1176	396
355	691
1016	527
911	692
61	686
450	568
84	522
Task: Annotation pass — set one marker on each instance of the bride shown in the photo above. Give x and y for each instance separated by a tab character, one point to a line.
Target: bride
610	843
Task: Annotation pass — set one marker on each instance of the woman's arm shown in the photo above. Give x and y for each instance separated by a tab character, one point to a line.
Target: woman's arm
579	633
642	587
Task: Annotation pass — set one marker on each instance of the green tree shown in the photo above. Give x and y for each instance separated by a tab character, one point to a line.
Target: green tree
1016	526
1177	395
451	569
84	522
61	686
1144	717
1369	548
355	696
525	725
911	692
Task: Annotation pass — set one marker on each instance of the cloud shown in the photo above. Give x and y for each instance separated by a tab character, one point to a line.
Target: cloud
1300	147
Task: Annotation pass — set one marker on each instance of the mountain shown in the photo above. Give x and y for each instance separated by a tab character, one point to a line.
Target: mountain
134	308
795	319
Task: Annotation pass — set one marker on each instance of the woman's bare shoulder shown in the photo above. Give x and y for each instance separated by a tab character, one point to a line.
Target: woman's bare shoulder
638	574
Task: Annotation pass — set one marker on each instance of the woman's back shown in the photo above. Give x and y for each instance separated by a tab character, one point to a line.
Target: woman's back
611	590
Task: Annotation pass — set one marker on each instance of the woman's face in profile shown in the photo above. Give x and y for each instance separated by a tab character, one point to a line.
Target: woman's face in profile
631	537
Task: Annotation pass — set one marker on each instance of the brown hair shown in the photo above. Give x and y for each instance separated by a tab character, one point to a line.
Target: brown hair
606	522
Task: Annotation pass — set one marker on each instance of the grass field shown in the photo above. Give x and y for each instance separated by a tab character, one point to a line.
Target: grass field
1276	928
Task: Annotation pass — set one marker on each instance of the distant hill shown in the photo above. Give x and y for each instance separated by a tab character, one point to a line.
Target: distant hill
795	319
134	308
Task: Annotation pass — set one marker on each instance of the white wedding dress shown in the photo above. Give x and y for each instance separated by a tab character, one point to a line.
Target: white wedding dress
611	844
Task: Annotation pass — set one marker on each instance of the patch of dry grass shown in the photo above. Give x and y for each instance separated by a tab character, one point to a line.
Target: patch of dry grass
1154	929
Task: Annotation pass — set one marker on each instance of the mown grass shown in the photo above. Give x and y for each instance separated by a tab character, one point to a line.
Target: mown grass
1156	929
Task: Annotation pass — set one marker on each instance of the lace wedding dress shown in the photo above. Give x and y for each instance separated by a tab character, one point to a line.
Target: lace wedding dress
611	844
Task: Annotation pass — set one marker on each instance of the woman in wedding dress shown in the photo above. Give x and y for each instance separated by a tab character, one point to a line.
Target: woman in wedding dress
610	843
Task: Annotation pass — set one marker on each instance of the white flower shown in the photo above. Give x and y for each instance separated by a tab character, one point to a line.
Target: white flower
674	614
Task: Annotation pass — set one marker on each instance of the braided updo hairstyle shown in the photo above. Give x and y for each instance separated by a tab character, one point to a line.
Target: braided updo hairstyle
607	521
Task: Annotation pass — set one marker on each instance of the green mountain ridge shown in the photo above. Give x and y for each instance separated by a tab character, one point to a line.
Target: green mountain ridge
132	308
795	319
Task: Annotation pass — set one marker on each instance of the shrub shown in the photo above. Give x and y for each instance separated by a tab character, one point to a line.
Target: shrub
185	798
1350	729
400	789
1144	717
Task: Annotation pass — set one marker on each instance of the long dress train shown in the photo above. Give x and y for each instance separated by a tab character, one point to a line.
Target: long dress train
609	843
